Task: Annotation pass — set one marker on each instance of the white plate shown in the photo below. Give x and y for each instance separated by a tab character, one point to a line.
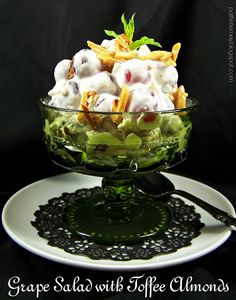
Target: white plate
19	212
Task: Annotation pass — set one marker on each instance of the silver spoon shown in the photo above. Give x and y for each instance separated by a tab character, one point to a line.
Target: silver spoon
160	186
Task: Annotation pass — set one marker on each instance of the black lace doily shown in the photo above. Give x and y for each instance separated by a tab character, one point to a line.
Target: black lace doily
51	224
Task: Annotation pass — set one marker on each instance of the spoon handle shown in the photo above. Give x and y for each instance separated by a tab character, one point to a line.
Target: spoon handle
215	212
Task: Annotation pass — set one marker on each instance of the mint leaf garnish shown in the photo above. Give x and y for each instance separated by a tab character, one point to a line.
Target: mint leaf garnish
128	26
111	33
144	41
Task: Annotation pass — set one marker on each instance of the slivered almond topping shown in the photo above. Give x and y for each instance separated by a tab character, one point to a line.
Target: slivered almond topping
179	99
122	104
71	72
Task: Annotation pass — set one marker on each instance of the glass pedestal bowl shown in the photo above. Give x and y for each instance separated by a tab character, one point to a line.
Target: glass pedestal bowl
117	147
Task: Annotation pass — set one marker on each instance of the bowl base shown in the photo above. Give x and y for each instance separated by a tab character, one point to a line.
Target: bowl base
142	218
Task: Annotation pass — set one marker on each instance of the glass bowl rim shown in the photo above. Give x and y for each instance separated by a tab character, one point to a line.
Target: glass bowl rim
191	106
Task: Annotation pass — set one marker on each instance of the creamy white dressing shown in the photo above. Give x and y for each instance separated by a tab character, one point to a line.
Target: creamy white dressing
149	82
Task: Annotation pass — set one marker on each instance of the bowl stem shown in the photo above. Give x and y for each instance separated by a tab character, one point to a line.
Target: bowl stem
117	199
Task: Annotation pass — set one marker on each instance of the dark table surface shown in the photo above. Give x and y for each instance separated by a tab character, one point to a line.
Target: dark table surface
213	269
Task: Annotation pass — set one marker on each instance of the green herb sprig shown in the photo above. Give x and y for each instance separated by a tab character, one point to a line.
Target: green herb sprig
129	28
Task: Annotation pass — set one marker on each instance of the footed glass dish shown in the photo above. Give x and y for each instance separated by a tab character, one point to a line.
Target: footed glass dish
117	146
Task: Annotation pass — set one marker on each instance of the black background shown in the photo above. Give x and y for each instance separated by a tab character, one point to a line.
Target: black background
35	35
